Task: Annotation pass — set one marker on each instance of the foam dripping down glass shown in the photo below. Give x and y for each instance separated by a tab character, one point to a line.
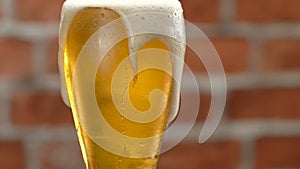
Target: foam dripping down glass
121	64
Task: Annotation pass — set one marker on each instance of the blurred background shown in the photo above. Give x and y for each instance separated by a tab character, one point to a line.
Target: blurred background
258	42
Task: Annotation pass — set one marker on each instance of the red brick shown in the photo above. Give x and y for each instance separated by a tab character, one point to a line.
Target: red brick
36	10
61	156
203	108
277	103
232	52
52	59
278	152
225	155
39	108
15	56
201	10
12	154
268	10
281	55
193	61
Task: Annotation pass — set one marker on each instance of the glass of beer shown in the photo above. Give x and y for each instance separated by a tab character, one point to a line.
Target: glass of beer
120	64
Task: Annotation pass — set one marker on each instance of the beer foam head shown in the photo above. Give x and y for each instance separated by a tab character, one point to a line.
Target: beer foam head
127	5
162	17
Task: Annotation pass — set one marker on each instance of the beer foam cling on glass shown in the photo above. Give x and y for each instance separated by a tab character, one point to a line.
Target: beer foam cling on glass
120	64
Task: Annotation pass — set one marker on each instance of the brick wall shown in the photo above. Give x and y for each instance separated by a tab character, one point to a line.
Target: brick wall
258	42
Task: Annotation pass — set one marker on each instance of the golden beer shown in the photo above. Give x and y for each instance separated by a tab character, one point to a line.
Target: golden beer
115	76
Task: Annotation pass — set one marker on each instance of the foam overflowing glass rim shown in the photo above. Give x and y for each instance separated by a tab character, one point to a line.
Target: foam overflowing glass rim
172	21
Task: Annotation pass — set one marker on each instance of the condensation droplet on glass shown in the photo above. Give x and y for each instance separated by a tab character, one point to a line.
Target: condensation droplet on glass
142	144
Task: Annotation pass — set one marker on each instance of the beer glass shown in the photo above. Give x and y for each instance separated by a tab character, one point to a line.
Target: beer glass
120	74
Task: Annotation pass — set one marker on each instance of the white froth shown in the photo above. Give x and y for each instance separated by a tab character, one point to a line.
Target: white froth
135	15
